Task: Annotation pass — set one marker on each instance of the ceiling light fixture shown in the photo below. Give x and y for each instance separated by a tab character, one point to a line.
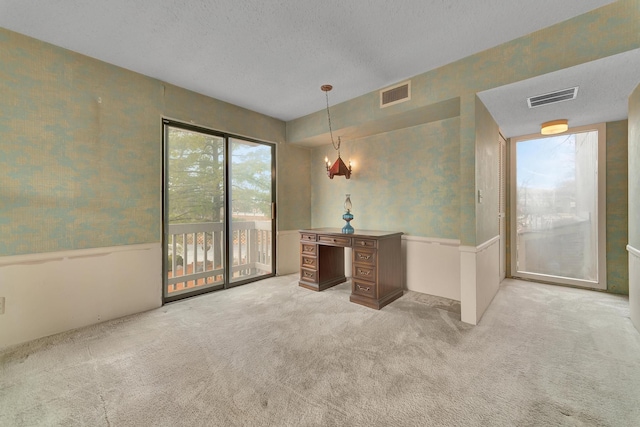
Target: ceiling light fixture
555	126
338	168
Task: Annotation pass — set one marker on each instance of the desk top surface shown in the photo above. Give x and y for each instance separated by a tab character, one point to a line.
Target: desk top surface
358	233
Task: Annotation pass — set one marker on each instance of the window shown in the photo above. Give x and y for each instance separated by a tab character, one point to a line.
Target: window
557	207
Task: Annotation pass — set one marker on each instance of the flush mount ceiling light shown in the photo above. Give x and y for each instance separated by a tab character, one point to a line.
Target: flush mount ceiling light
555	126
338	168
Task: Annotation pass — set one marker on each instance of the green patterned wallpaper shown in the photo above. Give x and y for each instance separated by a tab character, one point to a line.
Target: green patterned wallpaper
81	144
634	168
617	208
294	183
606	31
612	29
406	180
487	167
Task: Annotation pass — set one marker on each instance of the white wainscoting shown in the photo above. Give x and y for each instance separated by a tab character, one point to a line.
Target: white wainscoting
634	285
288	252
432	266
55	292
480	278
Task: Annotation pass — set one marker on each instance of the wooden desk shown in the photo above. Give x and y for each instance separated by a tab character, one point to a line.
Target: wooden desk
377	263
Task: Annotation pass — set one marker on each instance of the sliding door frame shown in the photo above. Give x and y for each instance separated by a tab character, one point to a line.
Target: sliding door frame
228	222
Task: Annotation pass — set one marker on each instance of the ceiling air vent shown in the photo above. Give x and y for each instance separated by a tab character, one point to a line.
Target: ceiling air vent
395	94
553	97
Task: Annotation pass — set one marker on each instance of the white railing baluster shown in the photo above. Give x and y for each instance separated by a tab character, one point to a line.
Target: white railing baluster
185	254
204	246
251	240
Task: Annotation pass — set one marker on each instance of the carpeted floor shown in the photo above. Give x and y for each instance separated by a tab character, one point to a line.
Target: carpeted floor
272	353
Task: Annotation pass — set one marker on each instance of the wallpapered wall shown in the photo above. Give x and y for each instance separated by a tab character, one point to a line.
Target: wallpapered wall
487	161
605	31
406	180
294	183
634	168
617	208
600	33
81	143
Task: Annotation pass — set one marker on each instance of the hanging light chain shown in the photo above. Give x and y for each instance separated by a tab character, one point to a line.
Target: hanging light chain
336	146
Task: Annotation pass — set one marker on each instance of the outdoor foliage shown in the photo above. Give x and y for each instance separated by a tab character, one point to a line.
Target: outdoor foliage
196	178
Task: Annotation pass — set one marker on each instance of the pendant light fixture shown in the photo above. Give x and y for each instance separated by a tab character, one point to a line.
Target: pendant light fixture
338	167
555	126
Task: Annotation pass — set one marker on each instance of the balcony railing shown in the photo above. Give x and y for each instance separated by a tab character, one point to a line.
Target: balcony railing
196	253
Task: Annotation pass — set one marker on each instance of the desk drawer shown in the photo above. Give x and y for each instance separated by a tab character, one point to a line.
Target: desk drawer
309	262
364	243
308	249
364	273
364	256
364	289
305	237
335	240
308	275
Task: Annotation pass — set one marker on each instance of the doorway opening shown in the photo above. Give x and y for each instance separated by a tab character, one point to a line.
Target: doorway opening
558	207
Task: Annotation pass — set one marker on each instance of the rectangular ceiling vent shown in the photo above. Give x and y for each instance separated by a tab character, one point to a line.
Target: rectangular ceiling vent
553	97
395	94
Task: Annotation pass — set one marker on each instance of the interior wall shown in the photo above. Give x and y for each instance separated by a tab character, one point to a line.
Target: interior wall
487	228
293	204
602	32
634	168
405	180
487	163
634	206
82	170
53	292
294	195
81	155
617	207
82	147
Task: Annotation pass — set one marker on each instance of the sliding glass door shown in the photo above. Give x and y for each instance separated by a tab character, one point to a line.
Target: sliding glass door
558	229
251	169
218	219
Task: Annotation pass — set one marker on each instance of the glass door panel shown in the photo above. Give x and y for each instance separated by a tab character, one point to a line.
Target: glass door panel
251	194
194	212
556	209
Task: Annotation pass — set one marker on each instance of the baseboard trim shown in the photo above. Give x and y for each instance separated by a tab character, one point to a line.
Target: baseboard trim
633	251
71	254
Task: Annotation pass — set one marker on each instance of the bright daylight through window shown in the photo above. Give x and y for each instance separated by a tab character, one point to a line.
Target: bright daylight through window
556	207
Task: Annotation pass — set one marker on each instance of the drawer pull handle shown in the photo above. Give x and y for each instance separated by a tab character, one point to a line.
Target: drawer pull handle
308	274
334	240
363	272
364	256
363	243
363	288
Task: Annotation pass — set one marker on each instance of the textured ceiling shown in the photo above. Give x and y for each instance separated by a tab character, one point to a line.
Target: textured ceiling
271	56
604	87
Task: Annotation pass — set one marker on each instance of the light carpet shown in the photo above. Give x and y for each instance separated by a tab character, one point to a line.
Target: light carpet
272	353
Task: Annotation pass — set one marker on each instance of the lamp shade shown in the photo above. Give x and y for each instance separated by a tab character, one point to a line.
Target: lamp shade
554	126
339	168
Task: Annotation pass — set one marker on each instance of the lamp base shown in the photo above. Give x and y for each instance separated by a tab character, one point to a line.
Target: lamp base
347	229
